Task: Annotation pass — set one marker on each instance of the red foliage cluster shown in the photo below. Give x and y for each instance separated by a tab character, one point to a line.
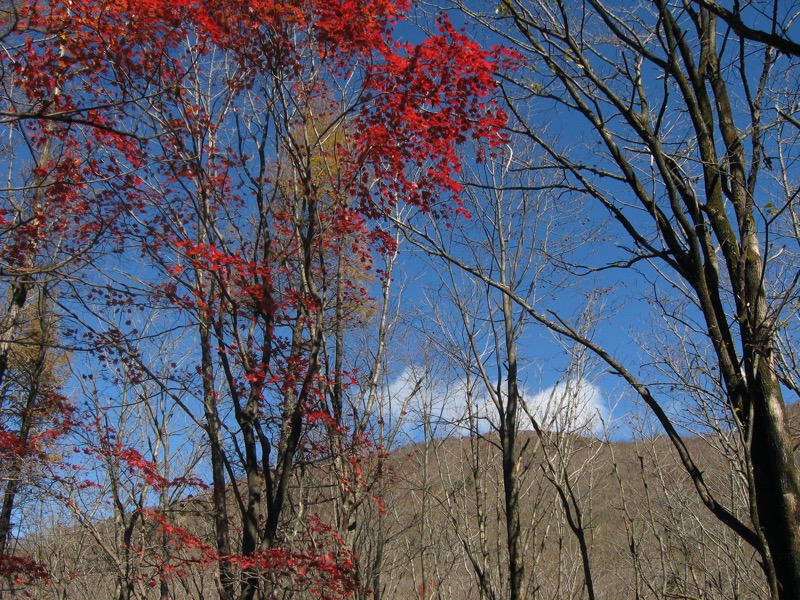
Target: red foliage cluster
429	99
255	193
327	570
22	570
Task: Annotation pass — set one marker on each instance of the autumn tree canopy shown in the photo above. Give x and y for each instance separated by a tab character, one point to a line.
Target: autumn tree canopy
212	177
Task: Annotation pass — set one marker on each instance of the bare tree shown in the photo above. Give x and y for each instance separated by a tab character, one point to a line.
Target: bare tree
763	22
676	116
510	238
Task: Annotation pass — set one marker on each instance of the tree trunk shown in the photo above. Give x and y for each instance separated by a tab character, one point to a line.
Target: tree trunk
775	478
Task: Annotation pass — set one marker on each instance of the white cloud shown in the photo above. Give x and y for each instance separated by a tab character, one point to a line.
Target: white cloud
575	406
419	400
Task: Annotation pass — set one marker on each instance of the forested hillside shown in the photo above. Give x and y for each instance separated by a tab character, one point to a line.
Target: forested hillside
438	530
349	299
